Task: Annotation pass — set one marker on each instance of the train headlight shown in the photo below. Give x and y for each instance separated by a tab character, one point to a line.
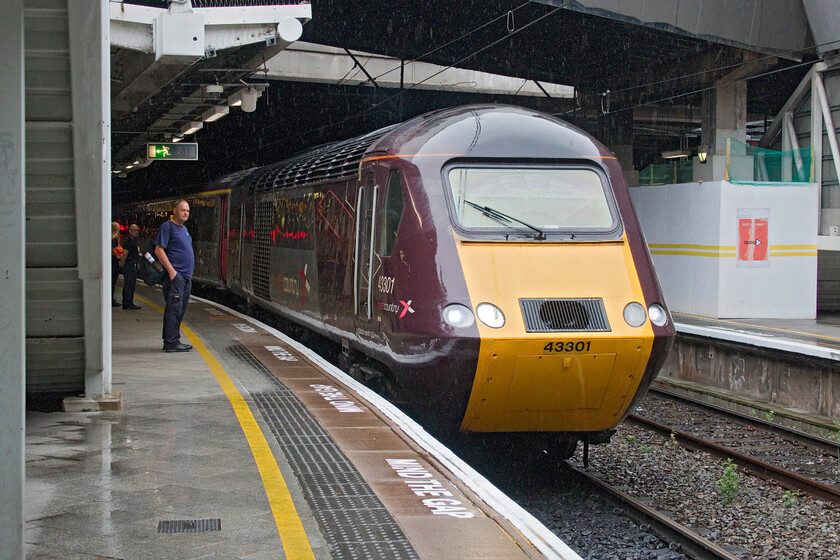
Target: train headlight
657	315
458	315
490	315
634	314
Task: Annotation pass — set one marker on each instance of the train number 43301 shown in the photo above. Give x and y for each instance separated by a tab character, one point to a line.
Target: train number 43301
568	346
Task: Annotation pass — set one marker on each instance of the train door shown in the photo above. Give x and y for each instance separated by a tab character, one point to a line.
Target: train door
223	220
241	236
247	248
236	239
364	250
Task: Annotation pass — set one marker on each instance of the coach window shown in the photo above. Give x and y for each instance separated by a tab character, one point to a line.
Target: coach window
392	214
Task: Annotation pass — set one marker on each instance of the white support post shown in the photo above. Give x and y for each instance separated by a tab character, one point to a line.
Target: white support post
793	145
12	281
816	143
90	71
787	133
831	132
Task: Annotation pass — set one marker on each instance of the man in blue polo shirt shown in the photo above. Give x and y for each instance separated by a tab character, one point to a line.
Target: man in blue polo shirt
173	249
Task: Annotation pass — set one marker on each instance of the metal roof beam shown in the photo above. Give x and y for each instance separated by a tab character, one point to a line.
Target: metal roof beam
180	37
310	62
132	26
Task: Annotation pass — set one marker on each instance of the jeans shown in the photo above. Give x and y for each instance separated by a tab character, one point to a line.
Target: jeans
176	293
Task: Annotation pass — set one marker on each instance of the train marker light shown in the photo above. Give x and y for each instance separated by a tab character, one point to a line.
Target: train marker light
174	151
490	315
457	315
657	314
634	314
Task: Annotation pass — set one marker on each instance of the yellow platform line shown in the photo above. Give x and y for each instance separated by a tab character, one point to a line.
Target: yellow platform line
691	246
292	534
693	253
773	253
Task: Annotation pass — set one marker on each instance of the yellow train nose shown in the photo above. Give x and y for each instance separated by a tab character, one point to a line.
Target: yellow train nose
566	358
580	384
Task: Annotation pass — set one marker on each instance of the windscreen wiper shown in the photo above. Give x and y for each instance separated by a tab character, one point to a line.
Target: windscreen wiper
504	218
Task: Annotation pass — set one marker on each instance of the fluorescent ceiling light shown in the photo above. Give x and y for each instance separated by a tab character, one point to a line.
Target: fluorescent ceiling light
235	100
215	113
672	154
191	127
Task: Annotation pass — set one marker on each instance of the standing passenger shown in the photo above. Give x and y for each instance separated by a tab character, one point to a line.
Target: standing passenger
129	261
173	249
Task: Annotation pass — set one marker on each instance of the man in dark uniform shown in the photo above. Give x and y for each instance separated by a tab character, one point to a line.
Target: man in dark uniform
129	262
173	249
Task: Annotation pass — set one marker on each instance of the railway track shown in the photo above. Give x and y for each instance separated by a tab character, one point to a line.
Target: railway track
680	537
670	460
813	441
757	445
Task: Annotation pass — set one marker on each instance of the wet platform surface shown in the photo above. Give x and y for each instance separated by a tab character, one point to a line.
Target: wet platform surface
818	337
250	446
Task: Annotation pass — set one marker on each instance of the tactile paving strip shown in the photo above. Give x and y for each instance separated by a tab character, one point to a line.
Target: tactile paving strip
353	520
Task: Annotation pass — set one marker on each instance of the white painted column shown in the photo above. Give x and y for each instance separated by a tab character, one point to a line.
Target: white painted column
90	73
12	281
830	131
817	146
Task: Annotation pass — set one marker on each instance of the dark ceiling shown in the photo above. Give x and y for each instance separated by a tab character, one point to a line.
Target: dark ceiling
639	66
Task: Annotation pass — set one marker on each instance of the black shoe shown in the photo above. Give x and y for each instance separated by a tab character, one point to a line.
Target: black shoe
177	348
115	303
132	306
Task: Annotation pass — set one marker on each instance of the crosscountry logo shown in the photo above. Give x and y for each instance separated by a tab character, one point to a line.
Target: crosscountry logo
406	308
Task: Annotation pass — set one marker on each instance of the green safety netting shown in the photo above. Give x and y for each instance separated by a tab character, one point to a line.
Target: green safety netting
671	173
754	165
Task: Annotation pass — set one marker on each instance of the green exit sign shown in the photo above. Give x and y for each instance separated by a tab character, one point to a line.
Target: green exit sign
172	150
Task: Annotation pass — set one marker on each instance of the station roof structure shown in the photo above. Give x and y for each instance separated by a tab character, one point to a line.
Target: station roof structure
594	63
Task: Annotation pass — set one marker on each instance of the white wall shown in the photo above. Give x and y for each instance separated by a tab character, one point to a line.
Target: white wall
12	279
693	233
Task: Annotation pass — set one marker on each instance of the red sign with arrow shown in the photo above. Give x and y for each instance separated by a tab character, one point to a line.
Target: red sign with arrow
752	239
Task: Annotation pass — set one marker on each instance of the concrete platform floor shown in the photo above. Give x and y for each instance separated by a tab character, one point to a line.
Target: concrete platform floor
245	432
98	484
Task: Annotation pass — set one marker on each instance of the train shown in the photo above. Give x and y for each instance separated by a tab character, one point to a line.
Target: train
484	260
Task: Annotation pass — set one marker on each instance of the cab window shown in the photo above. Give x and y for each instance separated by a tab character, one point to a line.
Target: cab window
560	199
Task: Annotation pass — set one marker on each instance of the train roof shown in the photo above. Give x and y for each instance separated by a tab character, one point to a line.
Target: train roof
470	131
493	131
